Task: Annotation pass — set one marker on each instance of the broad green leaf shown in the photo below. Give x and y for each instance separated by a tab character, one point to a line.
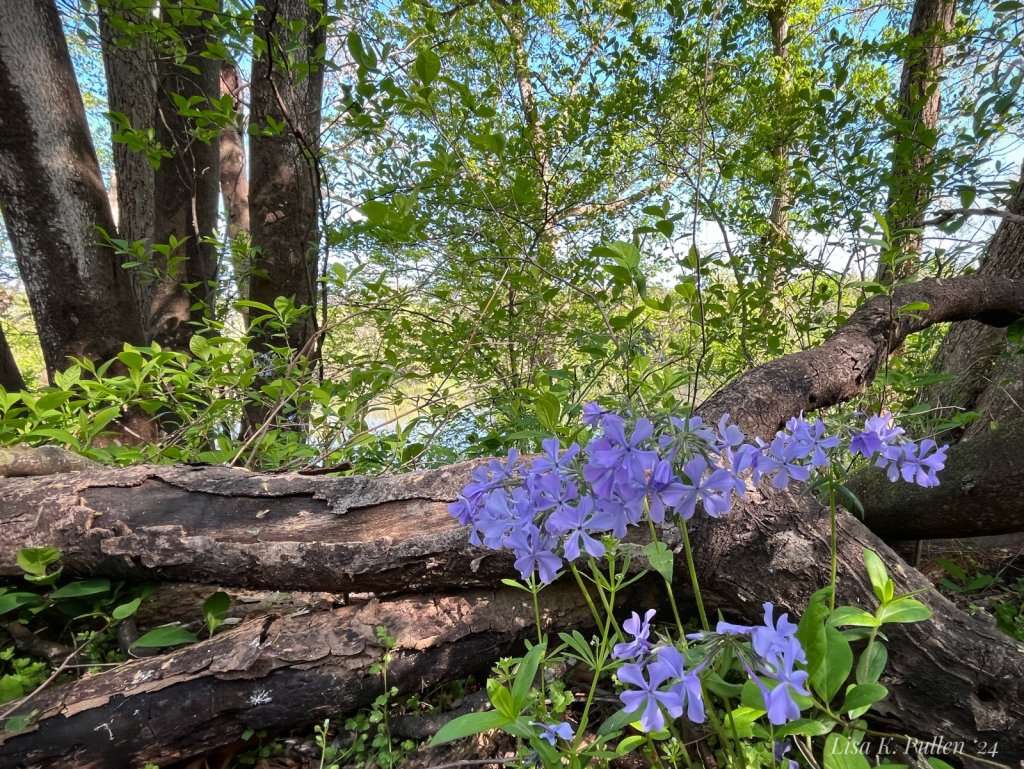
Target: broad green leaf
215	608
904	610
811	630
804	726
876	571
851	615
660	558
82	588
742	718
835	668
501	699
17	723
863	695
166	636
126	610
34	560
841	753
525	676
871	663
427	67
617	722
10	601
468	725
10	689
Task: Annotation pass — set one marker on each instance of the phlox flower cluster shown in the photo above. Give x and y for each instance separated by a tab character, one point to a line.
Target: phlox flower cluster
660	682
568	499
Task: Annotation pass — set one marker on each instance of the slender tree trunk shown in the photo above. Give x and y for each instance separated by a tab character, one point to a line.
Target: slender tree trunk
916	132
988	372
130	65
285	177
777	238
187	191
52	195
234	181
10	377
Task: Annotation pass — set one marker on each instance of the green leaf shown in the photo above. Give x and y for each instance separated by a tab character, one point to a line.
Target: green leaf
741	718
617	722
871	663
904	610
863	695
215	608
952	569
34	560
126	610
468	725
10	689
804	726
501	699
660	558
427	67
835	668
629	744
840	753
548	411
811	630
525	676
851	615
718	685
876	572
10	601
82	588
17	723
1015	332
166	636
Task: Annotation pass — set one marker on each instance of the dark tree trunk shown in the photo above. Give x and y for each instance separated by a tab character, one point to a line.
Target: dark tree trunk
130	65
915	134
234	182
988	371
284	175
275	673
10	376
53	198
187	191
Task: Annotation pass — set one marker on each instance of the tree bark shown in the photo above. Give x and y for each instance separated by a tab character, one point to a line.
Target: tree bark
285	175
981	493
275	673
53	198
988	372
187	191
954	676
234	183
129	62
916	132
10	376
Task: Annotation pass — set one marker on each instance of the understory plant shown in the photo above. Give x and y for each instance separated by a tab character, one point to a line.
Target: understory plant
761	693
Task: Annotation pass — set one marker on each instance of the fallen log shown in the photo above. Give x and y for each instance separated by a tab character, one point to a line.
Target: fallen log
274	673
982	493
954	677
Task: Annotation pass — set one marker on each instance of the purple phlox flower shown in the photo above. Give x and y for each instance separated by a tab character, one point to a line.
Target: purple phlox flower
462	509
550	461
575	524
661	488
781	749
612	516
737	462
772	639
551	732
879	432
891	457
592	413
601	477
504	472
694	427
703	489
788	454
730	436
648	698
779	701
920	468
627	455
812	436
533	552
689	688
496	519
641	632
551	493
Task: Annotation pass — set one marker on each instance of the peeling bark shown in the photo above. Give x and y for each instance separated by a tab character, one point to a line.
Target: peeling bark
274	673
52	195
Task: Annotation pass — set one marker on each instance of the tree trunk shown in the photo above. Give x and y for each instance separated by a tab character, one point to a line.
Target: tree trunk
275	673
988	371
130	65
916	132
187	192
234	182
285	175
53	198
10	376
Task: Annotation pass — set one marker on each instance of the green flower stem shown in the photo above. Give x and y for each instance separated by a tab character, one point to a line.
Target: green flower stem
540	639
693	578
668	584
735	733
604	599
682	744
603	655
586	593
832	513
655	758
716	725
